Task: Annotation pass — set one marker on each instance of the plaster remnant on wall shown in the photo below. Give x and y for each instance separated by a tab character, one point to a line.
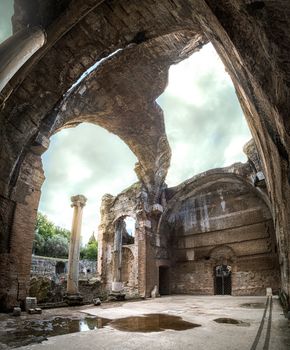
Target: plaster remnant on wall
223	203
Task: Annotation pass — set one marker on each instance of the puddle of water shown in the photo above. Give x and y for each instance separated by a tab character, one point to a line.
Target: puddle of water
232	321
152	323
253	305
24	332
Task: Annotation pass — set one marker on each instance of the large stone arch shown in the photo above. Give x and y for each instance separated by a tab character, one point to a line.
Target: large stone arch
246	34
95	101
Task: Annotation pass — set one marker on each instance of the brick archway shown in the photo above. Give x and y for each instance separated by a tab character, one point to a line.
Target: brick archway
244	35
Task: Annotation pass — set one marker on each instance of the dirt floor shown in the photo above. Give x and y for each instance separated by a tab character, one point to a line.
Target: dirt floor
173	322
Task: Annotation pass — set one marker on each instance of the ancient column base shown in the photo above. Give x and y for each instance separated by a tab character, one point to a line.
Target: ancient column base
73	299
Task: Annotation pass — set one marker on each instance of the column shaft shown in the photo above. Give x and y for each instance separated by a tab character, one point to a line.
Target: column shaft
78	203
17	49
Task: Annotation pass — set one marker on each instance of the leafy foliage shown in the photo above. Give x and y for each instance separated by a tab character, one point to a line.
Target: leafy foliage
90	250
50	240
39	244
57	246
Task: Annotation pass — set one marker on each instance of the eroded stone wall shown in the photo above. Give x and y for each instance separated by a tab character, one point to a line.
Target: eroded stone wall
220	218
15	257
47	266
114	210
51	292
138	268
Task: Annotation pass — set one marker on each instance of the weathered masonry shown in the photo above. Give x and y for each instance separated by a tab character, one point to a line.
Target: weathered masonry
135	42
218	220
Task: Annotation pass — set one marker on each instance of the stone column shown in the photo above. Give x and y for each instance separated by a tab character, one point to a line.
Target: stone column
73	296
17	49
117	284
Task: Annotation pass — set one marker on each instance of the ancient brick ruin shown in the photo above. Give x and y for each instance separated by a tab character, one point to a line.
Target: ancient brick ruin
233	220
217	218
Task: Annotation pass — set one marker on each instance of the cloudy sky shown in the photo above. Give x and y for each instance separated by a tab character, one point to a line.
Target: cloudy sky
205	127
6	11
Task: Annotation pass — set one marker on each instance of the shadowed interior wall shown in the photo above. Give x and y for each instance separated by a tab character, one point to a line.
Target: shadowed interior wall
222	221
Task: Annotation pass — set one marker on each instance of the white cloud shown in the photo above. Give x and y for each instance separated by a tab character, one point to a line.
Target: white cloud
233	151
77	170
202	117
85	160
185	78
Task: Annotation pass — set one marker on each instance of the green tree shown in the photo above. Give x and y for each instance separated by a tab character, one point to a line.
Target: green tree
57	246
62	232
38	244
50	240
44	227
90	250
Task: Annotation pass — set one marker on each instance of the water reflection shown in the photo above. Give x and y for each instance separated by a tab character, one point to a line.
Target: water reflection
19	332
152	323
22	332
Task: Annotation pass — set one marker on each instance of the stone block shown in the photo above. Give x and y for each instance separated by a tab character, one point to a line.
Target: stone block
117	296
117	286
30	303
269	292
155	292
190	254
260	176
97	302
73	299
260	179
32	311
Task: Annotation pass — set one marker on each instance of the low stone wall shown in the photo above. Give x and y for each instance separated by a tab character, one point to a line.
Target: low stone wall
54	267
49	291
48	280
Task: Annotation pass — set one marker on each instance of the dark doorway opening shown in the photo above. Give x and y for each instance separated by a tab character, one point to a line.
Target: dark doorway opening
164	280
223	280
60	267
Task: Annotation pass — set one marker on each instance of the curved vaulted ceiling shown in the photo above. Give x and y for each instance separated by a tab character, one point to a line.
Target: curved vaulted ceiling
122	92
77	39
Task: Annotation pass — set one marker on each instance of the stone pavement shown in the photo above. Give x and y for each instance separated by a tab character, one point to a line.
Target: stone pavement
197	309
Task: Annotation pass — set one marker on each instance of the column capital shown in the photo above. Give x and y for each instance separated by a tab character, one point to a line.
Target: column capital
78	201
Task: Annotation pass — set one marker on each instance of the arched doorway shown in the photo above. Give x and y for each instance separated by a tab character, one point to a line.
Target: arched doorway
123	258
127	267
128	234
222	280
164	280
60	267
